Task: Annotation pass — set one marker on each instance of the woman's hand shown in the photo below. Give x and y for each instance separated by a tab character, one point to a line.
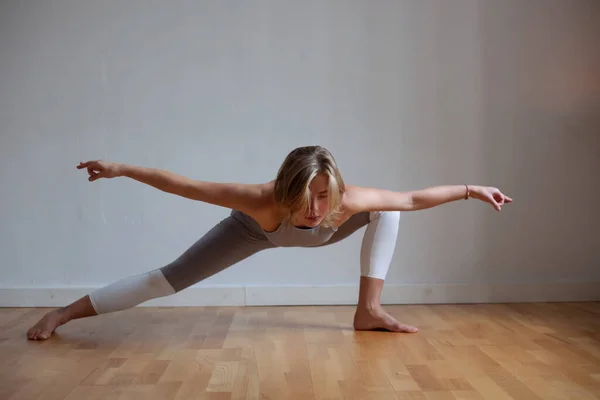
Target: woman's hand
101	169
490	195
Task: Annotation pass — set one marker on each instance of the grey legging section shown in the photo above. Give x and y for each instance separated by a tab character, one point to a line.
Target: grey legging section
227	243
232	240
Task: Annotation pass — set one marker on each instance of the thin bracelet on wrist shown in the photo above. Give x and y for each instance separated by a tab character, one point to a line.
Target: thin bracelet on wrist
467	194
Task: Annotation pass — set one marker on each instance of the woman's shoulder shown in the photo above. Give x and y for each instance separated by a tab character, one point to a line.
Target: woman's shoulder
265	211
352	198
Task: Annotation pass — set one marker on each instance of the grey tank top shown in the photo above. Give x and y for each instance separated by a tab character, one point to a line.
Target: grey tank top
288	235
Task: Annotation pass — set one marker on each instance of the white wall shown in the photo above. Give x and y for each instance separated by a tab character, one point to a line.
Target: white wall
406	94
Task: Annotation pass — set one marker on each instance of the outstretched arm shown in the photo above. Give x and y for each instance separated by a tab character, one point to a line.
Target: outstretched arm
370	199
240	196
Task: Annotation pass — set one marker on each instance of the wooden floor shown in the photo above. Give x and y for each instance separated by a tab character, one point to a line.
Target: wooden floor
500	351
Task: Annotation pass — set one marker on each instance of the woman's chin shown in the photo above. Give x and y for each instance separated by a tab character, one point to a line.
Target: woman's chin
307	222
312	221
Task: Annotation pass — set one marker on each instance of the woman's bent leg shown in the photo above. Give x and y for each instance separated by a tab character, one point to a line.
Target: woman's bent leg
378	245
379	240
229	242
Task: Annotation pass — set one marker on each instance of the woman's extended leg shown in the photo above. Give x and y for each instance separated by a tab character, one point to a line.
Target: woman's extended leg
230	241
378	245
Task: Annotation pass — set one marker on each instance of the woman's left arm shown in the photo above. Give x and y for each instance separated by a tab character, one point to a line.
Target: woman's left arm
370	199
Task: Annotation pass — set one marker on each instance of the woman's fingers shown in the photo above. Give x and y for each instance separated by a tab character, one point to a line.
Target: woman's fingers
496	205
84	164
96	175
97	169
492	199
92	178
93	171
93	168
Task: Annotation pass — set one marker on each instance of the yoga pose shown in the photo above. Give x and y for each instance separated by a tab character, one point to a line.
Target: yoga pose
306	205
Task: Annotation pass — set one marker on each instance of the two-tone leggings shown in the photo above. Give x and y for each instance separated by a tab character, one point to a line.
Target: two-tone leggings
234	239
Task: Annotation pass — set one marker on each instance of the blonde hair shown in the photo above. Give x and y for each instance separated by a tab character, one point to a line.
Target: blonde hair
300	167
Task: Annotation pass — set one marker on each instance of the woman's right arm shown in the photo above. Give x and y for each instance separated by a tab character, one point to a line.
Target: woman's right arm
239	196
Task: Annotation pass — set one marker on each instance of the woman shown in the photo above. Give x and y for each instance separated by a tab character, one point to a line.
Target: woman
307	205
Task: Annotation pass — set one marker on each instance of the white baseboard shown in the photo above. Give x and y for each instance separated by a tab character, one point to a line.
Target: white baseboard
323	295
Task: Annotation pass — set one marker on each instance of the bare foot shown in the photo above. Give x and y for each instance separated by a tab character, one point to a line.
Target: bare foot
45	326
378	319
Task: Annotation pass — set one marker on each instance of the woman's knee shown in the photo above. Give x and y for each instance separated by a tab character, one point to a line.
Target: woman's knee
393	216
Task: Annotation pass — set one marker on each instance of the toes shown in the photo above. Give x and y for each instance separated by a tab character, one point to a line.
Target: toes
399	327
37	334
31	333
407	328
395	326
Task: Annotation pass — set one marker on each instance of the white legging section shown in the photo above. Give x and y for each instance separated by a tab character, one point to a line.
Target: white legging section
131	291
379	243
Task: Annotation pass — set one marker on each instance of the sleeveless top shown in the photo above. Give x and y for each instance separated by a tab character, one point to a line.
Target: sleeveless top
288	235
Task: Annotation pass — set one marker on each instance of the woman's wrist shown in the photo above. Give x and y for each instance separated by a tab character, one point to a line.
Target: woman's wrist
122	170
474	192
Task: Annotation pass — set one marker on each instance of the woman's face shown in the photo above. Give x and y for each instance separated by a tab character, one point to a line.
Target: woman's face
319	203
